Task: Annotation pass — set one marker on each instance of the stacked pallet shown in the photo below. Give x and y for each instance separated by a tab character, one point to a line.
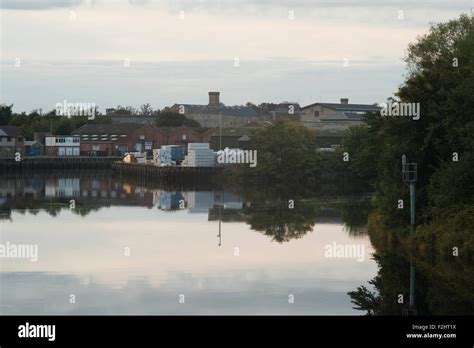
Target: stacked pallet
162	157
200	155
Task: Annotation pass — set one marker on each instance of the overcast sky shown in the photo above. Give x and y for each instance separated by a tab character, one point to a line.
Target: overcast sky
249	50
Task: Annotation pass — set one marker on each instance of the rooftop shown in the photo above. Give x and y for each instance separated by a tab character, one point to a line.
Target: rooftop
9	131
343	116
234	131
32	143
348	107
237	110
115	128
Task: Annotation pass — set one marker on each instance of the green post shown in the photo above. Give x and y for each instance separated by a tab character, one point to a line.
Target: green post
413	228
412	207
409	175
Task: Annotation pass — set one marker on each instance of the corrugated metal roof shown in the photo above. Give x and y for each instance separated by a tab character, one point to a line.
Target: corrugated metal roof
32	143
132	119
234	131
117	128
348	107
242	111
352	107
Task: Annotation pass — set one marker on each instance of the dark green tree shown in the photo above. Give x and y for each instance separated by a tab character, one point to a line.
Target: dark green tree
287	160
174	119
441	79
5	114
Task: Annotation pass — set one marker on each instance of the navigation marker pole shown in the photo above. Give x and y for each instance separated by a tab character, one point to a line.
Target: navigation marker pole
409	175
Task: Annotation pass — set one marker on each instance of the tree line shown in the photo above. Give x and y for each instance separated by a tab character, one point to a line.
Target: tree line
37	121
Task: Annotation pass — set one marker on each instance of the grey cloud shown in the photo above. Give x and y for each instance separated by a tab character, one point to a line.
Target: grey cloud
165	83
242	4
416	14
41	4
138	2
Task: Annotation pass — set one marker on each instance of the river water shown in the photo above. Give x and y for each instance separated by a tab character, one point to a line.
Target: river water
105	246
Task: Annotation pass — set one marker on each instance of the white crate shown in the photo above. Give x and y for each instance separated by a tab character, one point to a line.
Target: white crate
193	146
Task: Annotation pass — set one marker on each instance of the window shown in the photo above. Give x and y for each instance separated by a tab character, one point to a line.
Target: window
9	138
20	139
316	114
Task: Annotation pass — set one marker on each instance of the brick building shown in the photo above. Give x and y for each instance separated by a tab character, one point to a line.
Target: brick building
178	135
11	141
62	145
324	112
215	113
118	139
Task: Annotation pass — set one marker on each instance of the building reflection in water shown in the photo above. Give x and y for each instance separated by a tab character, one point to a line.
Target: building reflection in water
37	193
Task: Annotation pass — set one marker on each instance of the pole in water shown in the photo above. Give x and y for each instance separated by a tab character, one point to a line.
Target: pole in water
412	286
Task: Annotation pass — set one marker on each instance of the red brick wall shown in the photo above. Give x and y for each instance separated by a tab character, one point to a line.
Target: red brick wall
150	133
175	136
51	150
206	135
103	146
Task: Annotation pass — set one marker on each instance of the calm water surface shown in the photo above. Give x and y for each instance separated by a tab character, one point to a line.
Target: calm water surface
126	249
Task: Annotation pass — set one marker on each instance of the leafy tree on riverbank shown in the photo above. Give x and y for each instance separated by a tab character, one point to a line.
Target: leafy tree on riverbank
290	166
287	161
440	78
37	121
